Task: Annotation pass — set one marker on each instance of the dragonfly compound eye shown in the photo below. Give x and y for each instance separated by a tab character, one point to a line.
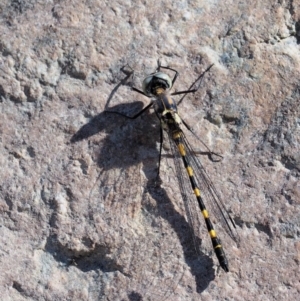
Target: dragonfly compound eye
154	81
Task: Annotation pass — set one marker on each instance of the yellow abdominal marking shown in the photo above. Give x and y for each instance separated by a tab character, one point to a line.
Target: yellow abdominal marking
205	213
181	149
212	233
189	171
197	192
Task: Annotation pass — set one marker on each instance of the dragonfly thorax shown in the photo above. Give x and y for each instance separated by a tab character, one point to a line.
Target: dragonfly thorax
171	118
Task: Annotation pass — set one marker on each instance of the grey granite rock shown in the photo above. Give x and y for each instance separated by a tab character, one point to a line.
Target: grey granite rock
81	215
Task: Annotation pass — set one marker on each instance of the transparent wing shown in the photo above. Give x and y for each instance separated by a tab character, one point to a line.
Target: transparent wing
210	195
190	203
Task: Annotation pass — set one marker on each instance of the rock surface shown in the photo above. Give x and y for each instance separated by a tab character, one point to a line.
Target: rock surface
82	217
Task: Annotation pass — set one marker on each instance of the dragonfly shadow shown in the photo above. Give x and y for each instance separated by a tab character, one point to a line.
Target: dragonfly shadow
131	142
124	140
201	265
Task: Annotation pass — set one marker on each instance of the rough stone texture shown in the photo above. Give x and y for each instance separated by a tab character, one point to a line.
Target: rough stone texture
81	215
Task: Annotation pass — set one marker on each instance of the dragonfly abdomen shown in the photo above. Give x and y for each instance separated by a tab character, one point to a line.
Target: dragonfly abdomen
215	240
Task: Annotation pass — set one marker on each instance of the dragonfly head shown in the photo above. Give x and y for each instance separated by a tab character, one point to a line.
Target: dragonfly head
156	82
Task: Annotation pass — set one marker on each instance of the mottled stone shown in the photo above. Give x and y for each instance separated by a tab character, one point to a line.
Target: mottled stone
82	215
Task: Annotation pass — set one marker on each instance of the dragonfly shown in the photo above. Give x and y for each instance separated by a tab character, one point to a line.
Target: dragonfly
191	175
